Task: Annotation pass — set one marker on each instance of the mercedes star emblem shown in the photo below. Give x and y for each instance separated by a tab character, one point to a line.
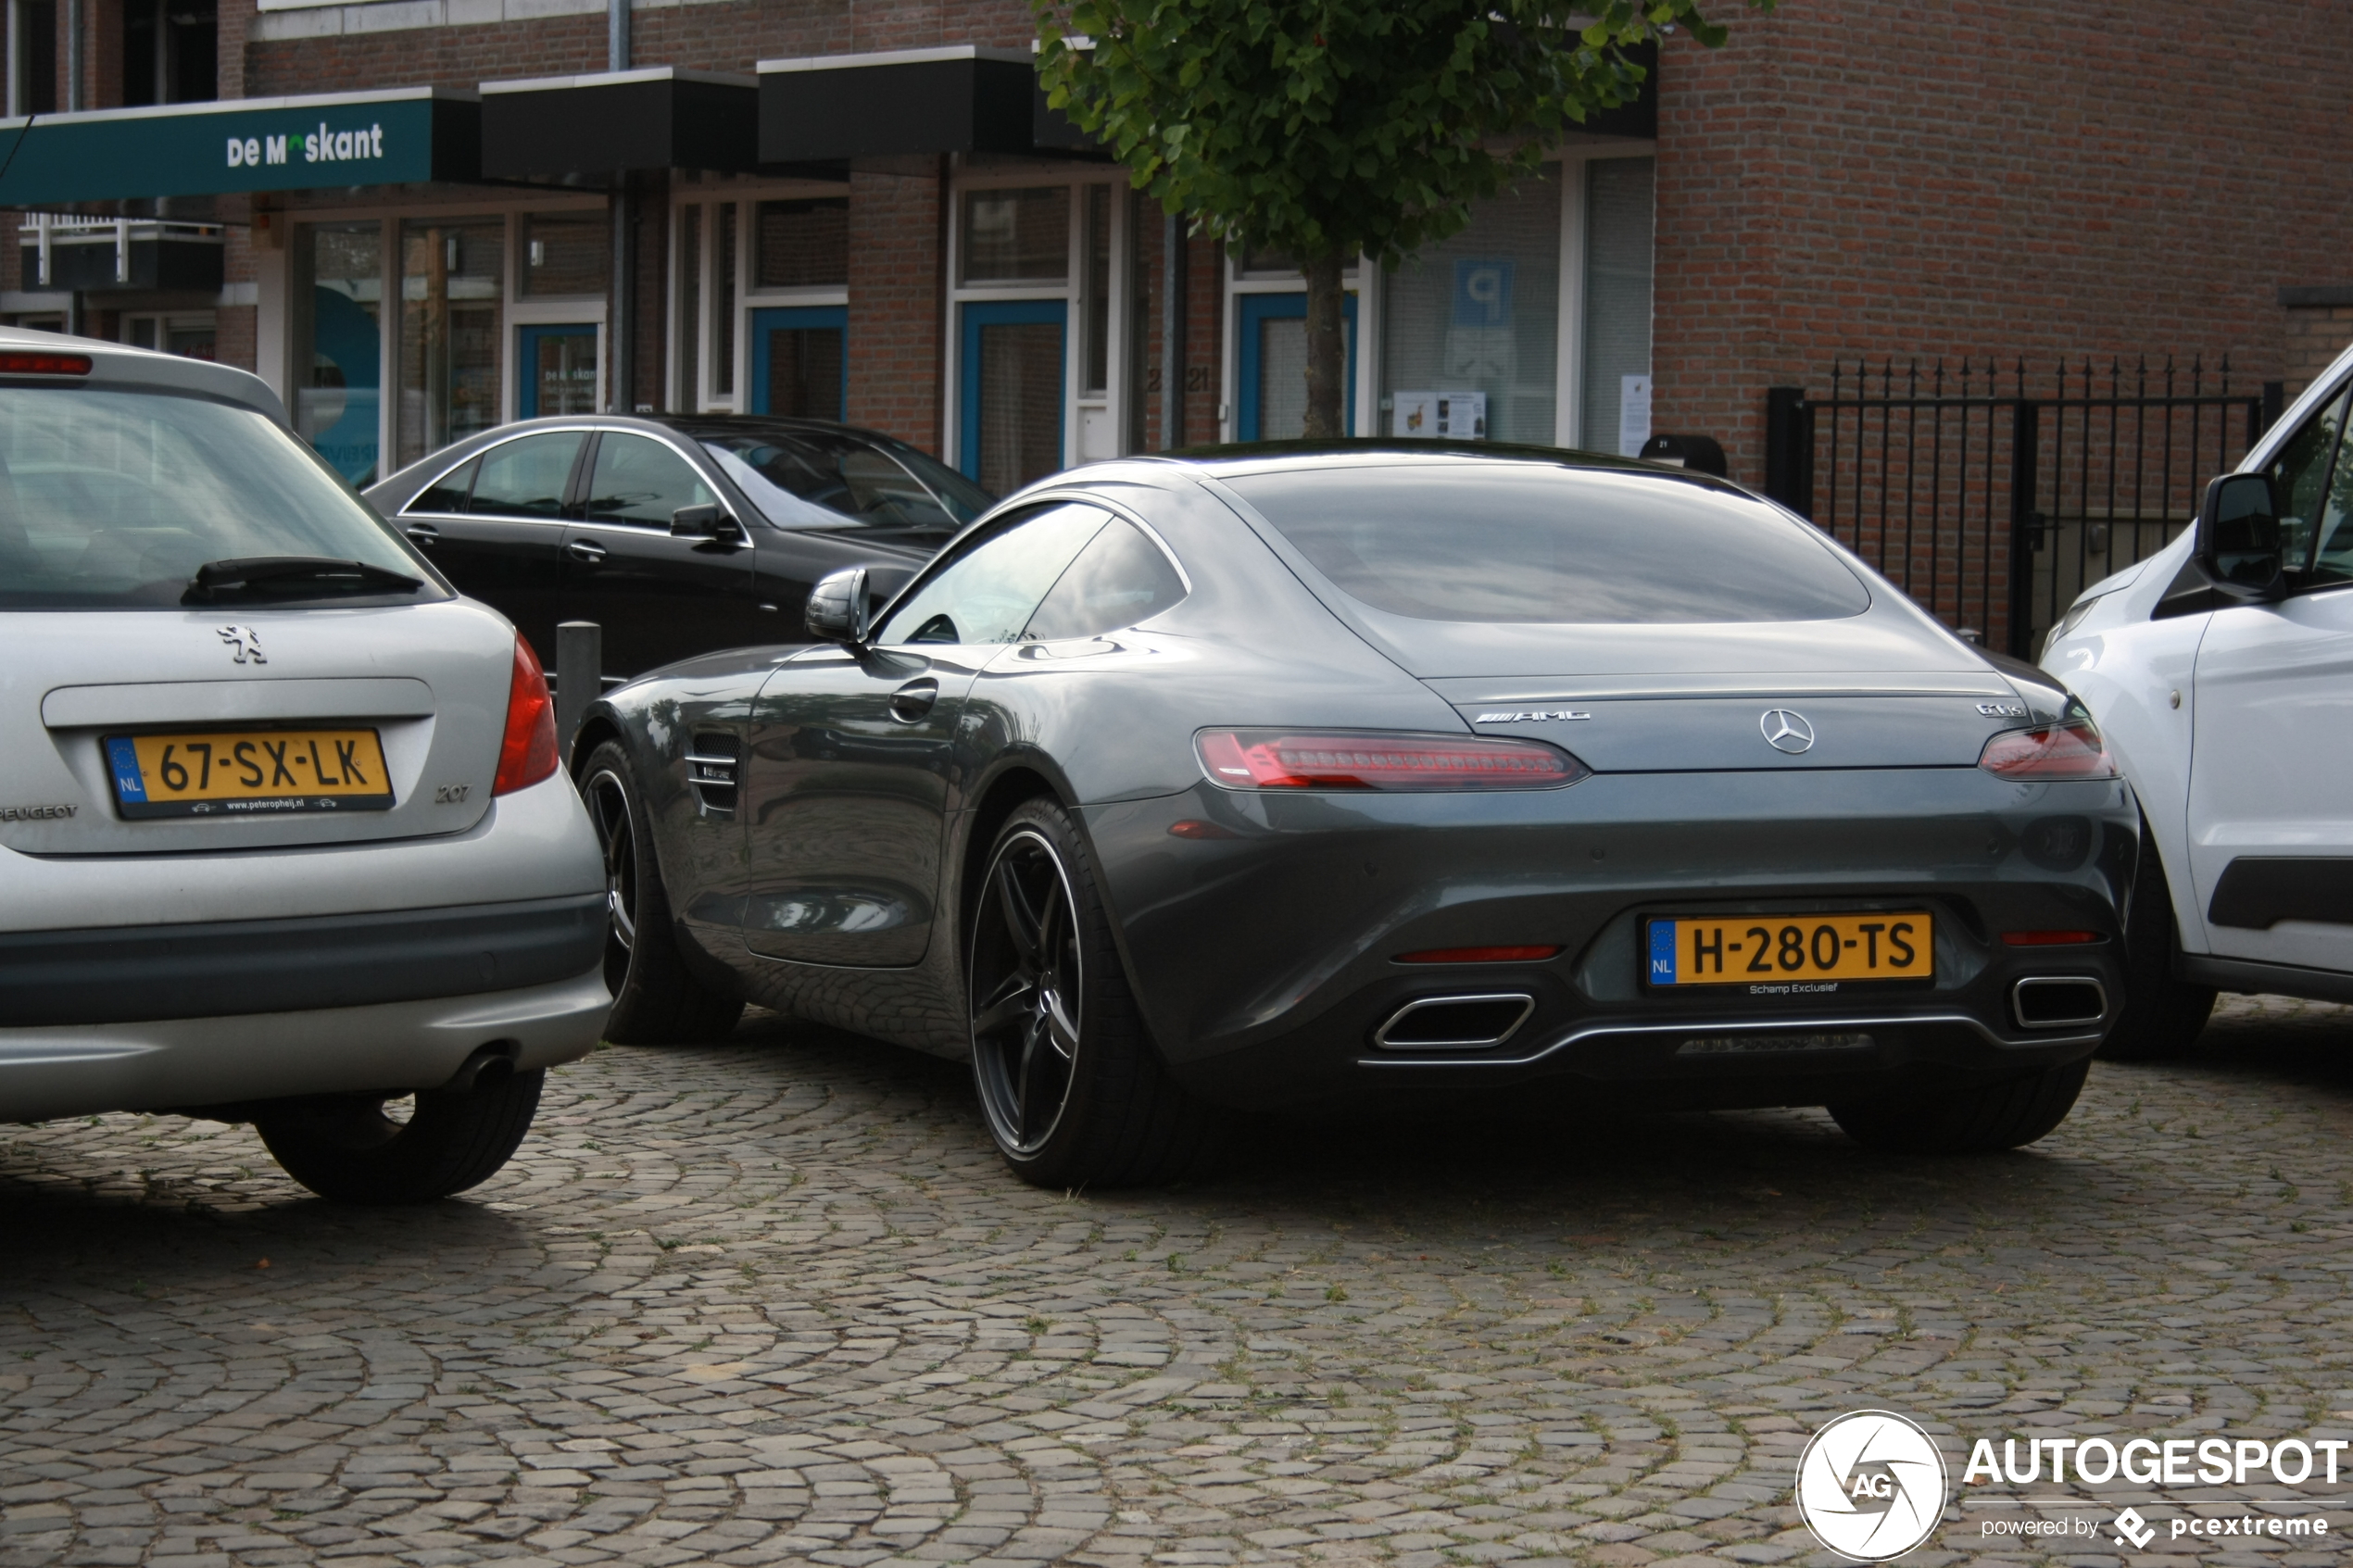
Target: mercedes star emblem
1785	731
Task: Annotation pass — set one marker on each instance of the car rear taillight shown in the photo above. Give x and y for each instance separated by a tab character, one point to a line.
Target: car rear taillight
527	753
2050	938
2053	751
1362	759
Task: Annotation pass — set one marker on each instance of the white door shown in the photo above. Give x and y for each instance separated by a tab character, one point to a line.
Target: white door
2270	803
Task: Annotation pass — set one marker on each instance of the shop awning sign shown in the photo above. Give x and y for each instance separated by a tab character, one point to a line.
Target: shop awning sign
325	142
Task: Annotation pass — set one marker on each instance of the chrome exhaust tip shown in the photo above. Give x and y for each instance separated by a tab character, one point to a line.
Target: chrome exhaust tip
1455	1023
2053	1001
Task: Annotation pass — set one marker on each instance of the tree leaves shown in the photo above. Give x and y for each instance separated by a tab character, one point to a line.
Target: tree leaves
1320	128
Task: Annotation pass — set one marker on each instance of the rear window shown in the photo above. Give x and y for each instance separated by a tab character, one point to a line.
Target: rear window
1504	542
113	500
857	483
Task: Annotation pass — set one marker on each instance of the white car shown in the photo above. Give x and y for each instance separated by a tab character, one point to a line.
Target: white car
283	837
2221	671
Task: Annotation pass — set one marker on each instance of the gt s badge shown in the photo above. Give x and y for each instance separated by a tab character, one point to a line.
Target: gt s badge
246	643
2001	710
1532	716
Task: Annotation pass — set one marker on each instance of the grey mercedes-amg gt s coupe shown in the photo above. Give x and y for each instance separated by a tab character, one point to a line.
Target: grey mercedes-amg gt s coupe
1279	773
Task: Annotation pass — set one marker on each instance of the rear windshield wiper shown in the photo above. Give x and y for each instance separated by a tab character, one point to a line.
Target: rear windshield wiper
292	577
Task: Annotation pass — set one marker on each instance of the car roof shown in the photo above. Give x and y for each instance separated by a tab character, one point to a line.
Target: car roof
1243	459
118	366
694	425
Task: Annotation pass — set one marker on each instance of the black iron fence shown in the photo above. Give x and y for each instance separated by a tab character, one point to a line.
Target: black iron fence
1994	503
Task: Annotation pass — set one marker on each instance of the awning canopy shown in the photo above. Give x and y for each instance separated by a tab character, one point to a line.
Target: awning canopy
965	98
327	141
659	118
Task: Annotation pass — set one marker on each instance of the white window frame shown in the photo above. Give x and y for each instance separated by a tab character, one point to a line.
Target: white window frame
516	309
1568	405
163	321
1364	395
1565	163
711	196
1111	404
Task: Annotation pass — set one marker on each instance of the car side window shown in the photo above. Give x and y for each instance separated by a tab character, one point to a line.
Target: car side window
1119	579
2311	507
988	593
885	492
638	479
526	477
448	492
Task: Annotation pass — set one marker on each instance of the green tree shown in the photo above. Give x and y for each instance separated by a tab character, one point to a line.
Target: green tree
1326	129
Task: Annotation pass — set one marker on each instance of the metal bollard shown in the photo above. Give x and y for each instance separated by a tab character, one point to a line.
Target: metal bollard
580	675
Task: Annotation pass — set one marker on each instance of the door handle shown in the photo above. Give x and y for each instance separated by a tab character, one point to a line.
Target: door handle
423	533
582	550
912	700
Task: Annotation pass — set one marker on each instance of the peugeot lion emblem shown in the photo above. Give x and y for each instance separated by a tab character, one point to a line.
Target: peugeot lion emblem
1785	731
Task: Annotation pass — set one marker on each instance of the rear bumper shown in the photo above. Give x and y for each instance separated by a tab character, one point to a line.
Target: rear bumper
124	974
71	1070
1262	946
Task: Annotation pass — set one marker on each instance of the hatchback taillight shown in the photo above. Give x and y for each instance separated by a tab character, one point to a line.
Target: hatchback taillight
2053	751
527	752
1360	760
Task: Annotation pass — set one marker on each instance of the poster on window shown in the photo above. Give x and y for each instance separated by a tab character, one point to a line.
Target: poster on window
1633	415
1439	416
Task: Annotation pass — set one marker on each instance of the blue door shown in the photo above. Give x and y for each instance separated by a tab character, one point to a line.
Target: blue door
556	370
800	362
1271	401
1012	429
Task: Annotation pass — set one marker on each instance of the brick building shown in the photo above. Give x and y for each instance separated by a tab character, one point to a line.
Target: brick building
402	213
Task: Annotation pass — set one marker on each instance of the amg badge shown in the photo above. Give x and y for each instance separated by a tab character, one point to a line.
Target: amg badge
1532	716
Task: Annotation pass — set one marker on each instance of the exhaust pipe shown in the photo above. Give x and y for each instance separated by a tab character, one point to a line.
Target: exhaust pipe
1455	1023
2053	1001
489	1067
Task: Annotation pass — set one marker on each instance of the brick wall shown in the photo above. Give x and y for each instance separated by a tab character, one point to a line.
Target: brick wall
898	249
2317	330
1876	178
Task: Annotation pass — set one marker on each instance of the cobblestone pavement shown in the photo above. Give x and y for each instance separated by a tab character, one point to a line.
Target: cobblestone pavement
774	1300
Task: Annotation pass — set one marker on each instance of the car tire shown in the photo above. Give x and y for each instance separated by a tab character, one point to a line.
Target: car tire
657	1000
2162	1017
2009	1114
346	1149
1074	1092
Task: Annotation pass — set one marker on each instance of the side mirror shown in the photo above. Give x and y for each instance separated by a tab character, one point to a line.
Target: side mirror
2241	542
838	607
702	523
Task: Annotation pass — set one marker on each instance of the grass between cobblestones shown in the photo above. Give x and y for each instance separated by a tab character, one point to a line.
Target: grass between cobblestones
774	1300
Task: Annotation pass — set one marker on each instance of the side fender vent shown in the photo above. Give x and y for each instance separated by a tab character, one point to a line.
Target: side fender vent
710	770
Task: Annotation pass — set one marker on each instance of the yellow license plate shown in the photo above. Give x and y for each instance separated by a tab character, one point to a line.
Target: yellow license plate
248	773
1781	954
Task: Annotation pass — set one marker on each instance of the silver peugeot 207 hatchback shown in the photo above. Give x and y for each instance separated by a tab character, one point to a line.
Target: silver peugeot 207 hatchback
283	835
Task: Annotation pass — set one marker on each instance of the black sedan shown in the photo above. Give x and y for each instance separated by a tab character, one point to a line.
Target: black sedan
1269	775
675	535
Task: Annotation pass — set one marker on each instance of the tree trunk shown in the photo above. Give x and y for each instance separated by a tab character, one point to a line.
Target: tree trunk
1327	388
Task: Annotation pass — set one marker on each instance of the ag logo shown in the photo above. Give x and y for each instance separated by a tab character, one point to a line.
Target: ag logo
1871	1485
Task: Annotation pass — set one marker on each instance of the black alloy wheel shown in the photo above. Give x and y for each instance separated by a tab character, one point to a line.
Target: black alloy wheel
657	999
608	800
1073	1089
1028	976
